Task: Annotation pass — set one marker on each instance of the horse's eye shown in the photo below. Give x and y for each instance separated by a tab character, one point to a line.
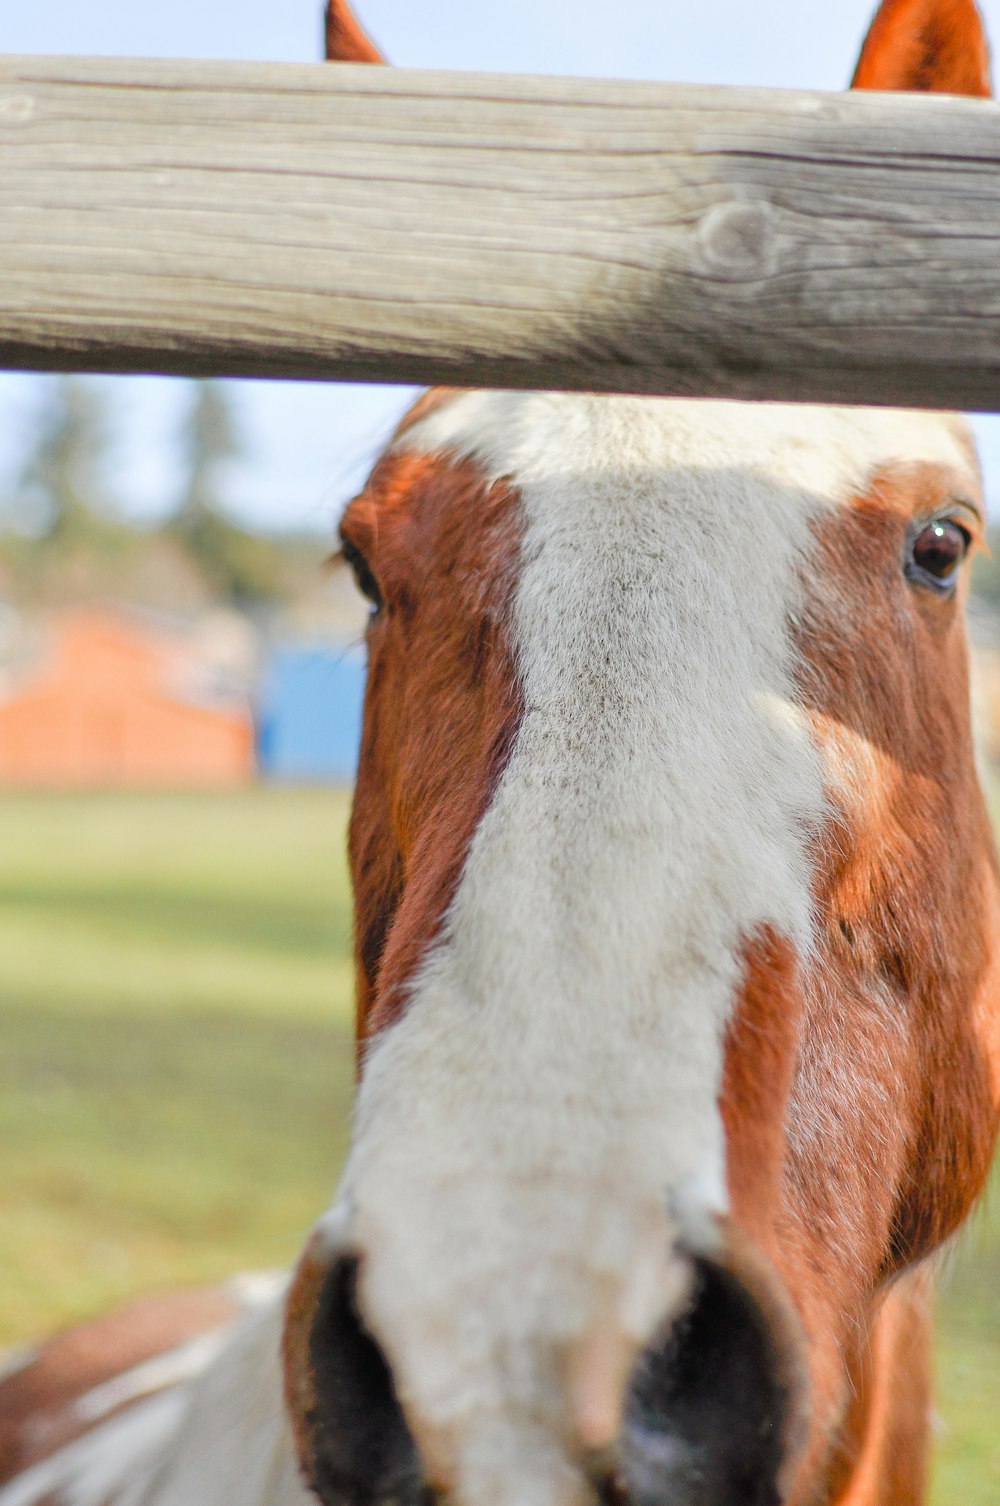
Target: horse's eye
937	552
363	575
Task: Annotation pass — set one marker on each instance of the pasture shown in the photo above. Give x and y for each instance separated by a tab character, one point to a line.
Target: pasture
176	1069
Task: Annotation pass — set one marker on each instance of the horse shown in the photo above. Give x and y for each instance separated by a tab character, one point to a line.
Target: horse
678	995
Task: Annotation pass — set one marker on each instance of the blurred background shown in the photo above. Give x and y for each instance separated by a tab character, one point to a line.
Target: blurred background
180	685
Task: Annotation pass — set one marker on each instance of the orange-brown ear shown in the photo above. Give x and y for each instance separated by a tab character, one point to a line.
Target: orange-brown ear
346	42
934	46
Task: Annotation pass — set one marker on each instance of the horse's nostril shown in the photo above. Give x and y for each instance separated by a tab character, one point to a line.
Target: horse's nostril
360	1451
710	1409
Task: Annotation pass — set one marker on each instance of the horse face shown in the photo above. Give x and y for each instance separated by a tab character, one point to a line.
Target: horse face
675	905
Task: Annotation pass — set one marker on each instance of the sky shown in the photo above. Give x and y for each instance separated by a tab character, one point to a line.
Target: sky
309	445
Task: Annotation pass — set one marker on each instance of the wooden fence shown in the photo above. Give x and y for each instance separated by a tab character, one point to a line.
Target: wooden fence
366	224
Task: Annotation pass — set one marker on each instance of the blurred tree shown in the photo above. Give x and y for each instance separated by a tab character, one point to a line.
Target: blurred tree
244	568
210	440
62	537
63	482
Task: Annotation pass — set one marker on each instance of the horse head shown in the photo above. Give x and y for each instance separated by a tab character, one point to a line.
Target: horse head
676	911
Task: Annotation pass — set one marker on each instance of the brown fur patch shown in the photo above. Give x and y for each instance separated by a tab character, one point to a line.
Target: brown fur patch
760	1049
882	1453
893	1108
300	1389
442	708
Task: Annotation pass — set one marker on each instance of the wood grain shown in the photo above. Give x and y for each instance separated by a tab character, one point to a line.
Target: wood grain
356	223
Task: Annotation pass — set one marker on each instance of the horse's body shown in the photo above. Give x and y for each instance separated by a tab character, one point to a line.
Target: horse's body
676	920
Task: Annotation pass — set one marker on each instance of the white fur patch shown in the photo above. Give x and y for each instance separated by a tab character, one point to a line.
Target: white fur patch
95	1468
551	1091
201	1425
233	1443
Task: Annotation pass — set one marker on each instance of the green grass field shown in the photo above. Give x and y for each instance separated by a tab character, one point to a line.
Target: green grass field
175	1069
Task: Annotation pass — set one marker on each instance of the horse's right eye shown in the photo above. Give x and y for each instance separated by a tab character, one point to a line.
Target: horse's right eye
363	575
937	552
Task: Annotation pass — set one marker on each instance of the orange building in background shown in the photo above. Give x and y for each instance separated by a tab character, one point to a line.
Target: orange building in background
103	698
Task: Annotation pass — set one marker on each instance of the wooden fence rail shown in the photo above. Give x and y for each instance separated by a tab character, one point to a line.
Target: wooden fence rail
366	224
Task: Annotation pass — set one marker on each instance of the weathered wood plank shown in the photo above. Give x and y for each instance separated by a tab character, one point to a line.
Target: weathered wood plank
365	224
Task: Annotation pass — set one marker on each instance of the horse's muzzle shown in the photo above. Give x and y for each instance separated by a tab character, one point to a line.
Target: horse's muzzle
710	1417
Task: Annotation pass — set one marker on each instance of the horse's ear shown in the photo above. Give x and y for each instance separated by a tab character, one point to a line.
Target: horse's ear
346	41
933	46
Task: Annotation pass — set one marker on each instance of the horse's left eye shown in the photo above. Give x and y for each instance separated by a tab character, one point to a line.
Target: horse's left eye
937	552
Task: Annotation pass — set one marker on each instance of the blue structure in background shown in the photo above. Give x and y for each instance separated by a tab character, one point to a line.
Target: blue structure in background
309	713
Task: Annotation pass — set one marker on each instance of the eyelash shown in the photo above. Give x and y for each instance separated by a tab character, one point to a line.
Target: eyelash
363	575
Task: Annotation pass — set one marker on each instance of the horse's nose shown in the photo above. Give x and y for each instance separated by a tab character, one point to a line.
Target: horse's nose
709	1415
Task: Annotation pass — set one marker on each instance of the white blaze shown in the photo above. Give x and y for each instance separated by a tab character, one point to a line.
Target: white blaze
535	1128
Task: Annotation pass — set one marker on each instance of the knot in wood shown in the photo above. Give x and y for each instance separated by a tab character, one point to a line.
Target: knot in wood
737	241
15	109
